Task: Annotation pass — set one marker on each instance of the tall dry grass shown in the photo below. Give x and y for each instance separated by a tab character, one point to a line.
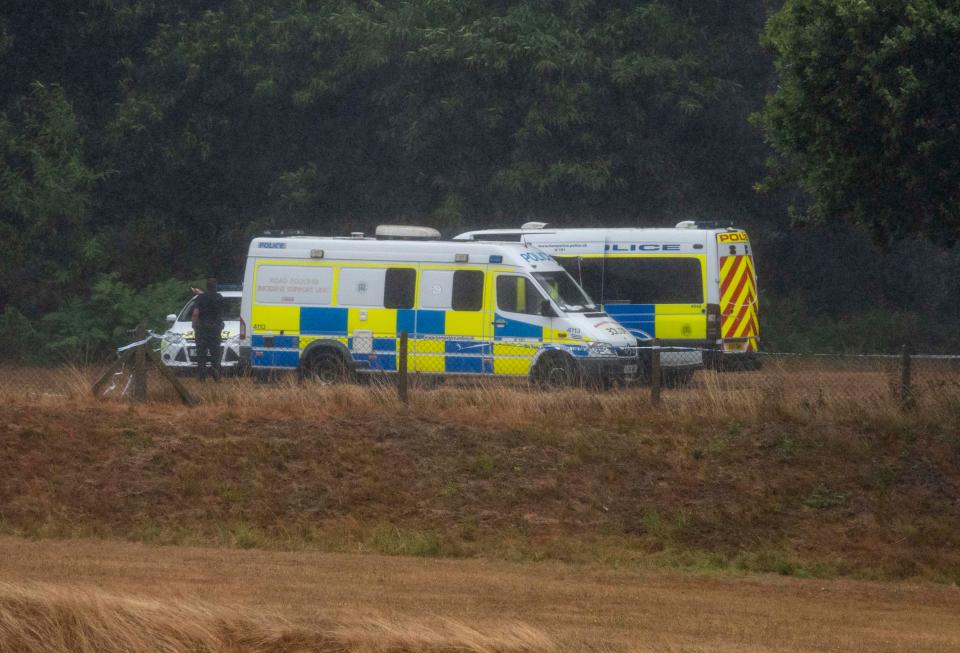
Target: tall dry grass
42	618
825	387
781	389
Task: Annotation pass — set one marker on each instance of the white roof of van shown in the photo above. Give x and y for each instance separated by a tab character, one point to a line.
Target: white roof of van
408	251
597	235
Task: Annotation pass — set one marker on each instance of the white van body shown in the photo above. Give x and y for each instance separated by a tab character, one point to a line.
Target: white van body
693	285
331	307
178	349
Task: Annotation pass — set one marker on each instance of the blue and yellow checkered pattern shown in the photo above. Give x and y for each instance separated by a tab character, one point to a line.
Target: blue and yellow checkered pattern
440	341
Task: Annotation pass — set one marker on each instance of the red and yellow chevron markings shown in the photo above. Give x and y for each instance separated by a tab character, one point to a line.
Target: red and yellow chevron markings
738	300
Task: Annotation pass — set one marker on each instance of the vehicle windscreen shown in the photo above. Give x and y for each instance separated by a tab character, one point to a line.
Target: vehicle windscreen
231	310
588	272
562	289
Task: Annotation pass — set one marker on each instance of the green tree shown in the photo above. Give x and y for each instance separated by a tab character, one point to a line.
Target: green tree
45	189
324	115
867	113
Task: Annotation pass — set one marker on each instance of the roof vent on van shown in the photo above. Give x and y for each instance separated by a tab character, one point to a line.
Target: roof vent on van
282	233
534	225
406	232
706	224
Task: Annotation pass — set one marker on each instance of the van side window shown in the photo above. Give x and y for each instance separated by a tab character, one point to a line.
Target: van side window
399	287
518	295
653	280
361	287
467	290
436	288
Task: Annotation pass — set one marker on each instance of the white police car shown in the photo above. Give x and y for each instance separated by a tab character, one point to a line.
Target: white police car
178	349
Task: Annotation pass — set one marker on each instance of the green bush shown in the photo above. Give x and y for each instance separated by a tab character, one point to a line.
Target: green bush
89	328
20	341
788	324
84	329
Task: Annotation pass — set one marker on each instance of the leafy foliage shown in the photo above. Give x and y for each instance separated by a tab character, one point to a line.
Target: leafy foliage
88	327
85	328
144	140
45	189
865	116
360	112
19	339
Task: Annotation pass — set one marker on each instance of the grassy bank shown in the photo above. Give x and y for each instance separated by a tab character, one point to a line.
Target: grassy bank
758	484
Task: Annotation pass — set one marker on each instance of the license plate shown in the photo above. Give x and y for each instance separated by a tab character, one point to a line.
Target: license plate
630	369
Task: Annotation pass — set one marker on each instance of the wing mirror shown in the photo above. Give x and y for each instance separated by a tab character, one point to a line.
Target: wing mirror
546	309
171	318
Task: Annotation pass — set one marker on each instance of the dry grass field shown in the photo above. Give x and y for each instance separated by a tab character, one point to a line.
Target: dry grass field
512	519
761	484
128	597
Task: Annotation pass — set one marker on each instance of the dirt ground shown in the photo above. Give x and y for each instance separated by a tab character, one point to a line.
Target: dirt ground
582	608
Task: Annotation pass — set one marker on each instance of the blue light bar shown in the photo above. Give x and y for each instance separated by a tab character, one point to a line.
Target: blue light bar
496	258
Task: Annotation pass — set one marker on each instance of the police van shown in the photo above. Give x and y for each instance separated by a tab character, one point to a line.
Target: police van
692	285
334	307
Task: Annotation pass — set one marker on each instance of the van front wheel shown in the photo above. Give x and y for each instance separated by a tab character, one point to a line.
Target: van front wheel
325	366
556	371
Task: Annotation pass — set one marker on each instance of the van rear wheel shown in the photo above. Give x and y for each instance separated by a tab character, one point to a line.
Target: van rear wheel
325	366
556	371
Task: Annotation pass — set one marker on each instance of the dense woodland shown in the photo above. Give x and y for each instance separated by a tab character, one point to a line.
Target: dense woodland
144	142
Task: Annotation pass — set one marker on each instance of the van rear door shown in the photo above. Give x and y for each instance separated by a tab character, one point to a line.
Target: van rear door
739	323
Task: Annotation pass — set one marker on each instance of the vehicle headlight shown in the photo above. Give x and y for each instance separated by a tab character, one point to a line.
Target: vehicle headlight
602	349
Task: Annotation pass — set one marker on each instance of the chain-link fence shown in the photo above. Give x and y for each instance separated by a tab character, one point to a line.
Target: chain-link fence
818	380
665	374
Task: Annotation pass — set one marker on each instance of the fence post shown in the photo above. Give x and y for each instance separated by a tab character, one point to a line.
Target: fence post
906	380
655	372
140	365
402	369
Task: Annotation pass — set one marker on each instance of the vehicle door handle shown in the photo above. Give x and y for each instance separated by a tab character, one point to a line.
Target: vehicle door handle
499	323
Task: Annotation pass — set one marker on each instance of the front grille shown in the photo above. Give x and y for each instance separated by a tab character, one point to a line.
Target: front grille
227	355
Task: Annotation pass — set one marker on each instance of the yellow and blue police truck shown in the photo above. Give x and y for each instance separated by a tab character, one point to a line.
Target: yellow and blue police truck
693	285
333	307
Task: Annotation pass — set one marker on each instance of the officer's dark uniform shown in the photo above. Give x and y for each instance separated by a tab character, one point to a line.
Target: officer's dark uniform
207	330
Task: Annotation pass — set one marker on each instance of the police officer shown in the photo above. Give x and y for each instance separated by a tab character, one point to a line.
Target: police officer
207	327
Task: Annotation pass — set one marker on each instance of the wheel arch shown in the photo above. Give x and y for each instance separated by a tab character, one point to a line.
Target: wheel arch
546	353
326	344
550	350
